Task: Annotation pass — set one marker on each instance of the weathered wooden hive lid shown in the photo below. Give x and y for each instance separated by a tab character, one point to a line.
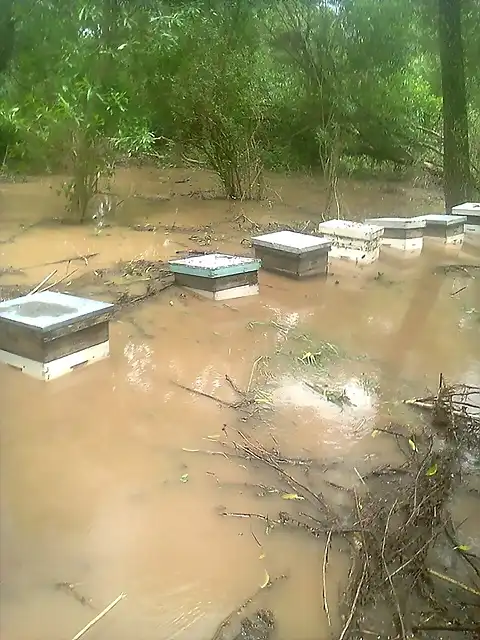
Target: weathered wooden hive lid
48	310
214	265
292	242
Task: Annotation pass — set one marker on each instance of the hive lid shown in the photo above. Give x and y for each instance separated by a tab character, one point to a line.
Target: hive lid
291	242
442	219
49	310
214	265
349	229
399	223
469	208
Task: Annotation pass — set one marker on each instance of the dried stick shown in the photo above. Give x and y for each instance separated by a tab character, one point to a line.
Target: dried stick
446	627
99	617
44	281
234	386
210	452
324	577
252	373
389	577
256	453
203	394
461	585
354	604
231	514
54	284
71	259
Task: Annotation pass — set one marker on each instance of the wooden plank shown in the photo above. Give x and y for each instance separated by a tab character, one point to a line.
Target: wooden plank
77	325
441	231
22	341
404	234
294	265
71	343
216	284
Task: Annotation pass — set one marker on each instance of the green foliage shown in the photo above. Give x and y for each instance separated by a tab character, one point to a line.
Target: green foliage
217	95
240	85
70	104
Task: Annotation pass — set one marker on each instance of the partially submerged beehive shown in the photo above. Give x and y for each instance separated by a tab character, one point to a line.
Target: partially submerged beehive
48	334
472	211
405	234
294	254
359	243
448	229
217	276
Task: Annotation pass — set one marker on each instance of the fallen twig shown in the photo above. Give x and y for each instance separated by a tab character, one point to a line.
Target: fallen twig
40	285
252	372
446	627
212	453
60	280
458	291
99	617
354	604
224	403
458	584
63	260
324	577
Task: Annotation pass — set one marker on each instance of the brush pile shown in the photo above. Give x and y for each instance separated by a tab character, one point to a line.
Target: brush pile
409	574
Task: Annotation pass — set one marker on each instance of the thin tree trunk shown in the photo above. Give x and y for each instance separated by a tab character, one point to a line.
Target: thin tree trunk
456	157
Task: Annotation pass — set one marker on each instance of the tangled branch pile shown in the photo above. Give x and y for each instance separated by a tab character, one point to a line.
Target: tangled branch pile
396	523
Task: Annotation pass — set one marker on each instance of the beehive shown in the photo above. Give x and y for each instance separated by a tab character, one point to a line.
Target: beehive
294	254
359	243
48	334
217	276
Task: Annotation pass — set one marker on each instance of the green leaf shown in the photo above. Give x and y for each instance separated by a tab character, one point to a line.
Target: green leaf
412	444
463	547
431	471
292	496
184	478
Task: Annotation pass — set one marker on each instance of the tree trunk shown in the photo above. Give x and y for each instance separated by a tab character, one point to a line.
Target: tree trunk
456	158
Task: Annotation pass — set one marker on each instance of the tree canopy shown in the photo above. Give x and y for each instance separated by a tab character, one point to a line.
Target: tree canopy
337	86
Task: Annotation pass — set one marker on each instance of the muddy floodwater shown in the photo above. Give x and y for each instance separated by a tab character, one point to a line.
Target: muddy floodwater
98	489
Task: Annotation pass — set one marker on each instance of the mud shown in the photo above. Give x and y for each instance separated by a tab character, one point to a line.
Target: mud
97	491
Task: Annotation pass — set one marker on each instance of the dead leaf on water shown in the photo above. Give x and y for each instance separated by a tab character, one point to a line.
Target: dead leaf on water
375	433
266	582
292	496
261	557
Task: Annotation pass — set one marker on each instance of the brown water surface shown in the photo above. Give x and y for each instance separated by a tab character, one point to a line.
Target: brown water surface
92	464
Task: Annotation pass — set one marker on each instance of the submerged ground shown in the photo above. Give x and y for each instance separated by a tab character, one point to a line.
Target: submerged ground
97	489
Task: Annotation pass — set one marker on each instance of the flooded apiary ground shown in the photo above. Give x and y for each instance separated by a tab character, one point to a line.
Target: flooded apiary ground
108	481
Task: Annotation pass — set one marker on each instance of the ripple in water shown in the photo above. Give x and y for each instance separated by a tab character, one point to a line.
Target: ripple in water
140	359
346	410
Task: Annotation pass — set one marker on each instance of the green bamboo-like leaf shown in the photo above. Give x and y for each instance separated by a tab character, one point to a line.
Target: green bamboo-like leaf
431	471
